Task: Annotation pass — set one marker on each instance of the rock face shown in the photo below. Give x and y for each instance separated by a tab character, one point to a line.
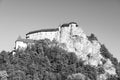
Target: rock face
75	40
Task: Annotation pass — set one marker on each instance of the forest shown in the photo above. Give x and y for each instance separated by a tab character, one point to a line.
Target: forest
47	61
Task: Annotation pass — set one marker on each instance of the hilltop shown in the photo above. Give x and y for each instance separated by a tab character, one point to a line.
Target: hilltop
65	53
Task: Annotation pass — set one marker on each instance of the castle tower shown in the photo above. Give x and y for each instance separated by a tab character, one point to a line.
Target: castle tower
66	30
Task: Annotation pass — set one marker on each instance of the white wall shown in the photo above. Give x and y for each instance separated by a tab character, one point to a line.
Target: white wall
42	35
20	45
65	34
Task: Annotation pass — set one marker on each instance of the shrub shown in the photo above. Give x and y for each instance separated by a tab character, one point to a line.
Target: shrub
92	37
104	52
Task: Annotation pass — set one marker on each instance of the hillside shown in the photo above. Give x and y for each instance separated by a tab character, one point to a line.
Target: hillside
47	60
64	53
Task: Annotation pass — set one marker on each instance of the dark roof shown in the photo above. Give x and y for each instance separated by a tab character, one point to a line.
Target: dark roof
43	30
67	24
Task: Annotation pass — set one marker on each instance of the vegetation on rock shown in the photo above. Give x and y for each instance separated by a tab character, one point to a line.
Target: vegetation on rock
47	61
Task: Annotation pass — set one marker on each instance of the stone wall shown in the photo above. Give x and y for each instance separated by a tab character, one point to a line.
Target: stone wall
20	45
63	34
42	35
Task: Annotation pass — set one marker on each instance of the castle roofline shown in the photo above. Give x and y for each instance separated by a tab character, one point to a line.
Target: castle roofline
50	30
67	24
43	30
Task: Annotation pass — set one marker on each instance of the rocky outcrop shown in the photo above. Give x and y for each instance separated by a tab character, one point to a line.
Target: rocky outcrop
78	43
88	51
73	39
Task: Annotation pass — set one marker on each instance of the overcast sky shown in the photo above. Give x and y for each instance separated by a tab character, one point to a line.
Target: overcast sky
101	17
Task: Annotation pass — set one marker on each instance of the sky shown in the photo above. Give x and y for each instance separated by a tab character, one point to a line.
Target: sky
101	17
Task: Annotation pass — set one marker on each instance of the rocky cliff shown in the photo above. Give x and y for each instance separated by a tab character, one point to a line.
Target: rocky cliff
88	50
72	38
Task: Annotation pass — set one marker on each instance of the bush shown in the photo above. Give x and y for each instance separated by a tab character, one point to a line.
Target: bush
92	37
104	52
45	61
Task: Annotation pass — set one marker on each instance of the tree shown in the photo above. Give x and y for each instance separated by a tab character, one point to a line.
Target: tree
100	70
46	60
114	61
104	52
92	37
77	76
90	72
118	69
72	58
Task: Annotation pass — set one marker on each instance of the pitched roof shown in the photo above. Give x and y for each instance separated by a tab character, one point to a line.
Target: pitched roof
42	30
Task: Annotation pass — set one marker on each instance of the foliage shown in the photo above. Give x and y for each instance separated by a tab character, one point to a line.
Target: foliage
100	70
92	37
112	78
77	76
47	61
118	69
105	53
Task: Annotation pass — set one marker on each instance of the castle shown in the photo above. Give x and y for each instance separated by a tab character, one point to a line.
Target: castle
75	40
60	34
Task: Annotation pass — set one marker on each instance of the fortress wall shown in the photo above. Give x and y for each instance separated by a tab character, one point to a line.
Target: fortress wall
42	35
20	44
72	36
64	34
